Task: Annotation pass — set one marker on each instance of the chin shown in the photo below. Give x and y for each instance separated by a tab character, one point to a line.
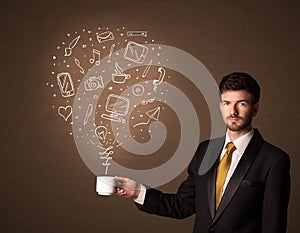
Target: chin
237	128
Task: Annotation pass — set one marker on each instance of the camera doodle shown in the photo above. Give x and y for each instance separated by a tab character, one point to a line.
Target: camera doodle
93	83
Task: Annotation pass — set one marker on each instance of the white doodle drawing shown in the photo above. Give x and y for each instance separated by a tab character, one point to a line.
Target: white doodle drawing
137	33
152	114
106	155
119	76
65	112
77	62
117	106
135	52
105	36
88	113
138	89
112	47
144	102
106	164
158	81
147	69
93	83
68	50
96	57
65	84
101	132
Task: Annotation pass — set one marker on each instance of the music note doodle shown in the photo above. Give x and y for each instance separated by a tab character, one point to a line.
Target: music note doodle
96	54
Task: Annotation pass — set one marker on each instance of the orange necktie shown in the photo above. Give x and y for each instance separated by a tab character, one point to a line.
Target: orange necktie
222	171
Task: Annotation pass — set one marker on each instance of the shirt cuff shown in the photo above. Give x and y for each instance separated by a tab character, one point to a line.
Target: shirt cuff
141	197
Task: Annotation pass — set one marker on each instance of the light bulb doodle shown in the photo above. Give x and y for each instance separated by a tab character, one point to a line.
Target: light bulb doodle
101	132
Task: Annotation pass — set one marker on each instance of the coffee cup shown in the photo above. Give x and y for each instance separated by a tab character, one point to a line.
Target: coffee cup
106	185
120	78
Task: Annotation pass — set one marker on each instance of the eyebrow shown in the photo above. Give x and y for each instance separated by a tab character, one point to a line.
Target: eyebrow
242	100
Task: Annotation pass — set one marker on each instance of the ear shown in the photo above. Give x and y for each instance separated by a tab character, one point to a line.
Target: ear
255	109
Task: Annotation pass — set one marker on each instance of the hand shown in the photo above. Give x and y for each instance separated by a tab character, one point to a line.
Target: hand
127	187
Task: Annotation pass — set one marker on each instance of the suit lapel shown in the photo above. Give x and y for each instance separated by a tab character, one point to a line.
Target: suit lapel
240	172
216	149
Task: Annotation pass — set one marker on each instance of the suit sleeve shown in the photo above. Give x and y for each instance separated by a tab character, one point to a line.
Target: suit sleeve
276	197
180	204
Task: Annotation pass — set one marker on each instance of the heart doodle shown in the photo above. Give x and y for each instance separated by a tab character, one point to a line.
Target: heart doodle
65	112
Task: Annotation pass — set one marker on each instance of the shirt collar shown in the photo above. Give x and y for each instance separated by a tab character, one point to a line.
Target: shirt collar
242	142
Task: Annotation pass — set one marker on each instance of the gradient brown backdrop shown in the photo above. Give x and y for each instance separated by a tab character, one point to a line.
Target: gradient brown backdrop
45	186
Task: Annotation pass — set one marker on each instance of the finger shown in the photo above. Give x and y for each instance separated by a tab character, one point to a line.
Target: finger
120	180
120	192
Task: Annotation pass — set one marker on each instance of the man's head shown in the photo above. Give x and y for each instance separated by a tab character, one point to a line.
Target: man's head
239	94
240	81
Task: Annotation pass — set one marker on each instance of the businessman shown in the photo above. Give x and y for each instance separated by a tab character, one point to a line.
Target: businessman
247	189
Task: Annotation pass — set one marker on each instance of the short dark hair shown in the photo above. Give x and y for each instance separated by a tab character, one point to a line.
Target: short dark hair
240	81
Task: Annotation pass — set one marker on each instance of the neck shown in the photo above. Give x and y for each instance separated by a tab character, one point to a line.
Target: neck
233	135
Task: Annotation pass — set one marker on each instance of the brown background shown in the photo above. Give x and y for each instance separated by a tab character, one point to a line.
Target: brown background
45	186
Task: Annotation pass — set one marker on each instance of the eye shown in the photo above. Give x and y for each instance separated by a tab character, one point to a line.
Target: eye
243	104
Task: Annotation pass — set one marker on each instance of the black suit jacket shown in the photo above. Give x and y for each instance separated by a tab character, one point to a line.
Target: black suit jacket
255	200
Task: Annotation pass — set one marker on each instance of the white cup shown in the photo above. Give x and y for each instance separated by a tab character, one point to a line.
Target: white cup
106	185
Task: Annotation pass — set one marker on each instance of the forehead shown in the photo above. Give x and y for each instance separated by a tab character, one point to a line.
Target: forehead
235	95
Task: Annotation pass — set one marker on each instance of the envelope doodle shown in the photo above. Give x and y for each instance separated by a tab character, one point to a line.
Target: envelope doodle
105	36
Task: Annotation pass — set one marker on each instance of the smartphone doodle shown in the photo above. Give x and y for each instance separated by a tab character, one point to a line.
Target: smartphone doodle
65	84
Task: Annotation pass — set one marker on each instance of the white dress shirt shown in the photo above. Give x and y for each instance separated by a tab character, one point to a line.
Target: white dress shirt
241	143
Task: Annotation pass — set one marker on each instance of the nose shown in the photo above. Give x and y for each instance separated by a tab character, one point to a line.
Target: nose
234	110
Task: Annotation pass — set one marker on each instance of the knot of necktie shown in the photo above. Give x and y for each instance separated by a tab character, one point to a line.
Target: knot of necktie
230	147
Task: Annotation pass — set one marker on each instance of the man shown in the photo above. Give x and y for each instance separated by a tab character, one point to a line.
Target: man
246	190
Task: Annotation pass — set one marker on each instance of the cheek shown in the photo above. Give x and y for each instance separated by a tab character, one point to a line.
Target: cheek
223	111
247	114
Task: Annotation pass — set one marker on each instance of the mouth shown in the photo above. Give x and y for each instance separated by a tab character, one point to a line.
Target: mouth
233	119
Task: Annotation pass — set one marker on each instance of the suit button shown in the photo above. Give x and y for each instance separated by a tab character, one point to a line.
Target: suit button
211	230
